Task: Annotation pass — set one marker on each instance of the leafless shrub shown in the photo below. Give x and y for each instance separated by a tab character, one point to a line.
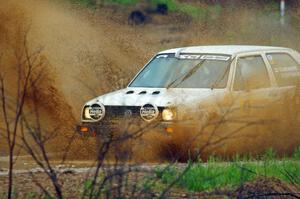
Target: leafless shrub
21	60
22	72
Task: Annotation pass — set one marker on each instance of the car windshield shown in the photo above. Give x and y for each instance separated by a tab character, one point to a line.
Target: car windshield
185	71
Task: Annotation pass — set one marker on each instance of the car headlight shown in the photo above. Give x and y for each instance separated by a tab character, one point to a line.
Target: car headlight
94	112
86	113
168	114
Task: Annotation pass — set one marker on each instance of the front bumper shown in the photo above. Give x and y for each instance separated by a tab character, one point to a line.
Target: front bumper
105	130
94	129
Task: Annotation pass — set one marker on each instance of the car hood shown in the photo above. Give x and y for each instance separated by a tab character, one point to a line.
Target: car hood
160	97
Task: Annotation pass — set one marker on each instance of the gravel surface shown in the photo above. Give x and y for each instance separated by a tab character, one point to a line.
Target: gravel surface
28	182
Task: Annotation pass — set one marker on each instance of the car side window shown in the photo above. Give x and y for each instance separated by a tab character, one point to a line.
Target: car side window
285	68
251	73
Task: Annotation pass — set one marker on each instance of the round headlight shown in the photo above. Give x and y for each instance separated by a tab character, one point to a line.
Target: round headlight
94	112
168	114
149	112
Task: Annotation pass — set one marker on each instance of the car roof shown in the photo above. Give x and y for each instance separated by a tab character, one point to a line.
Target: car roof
223	49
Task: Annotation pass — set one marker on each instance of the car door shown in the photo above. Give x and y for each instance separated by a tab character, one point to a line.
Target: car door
252	89
286	70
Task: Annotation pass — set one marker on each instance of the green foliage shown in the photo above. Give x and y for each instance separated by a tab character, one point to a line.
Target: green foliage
175	6
150	183
87	185
296	154
32	195
212	175
47	197
270	154
172	4
192	10
92	3
167	174
147	186
87	3
216	174
122	2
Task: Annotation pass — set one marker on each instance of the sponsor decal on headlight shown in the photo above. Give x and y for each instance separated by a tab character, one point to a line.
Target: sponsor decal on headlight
97	111
149	112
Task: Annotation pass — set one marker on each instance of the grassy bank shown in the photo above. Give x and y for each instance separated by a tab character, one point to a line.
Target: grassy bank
219	174
173	6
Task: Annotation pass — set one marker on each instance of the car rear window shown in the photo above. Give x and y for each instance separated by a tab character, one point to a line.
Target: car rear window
285	68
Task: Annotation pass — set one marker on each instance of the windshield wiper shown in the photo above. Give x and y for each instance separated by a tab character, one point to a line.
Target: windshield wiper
186	75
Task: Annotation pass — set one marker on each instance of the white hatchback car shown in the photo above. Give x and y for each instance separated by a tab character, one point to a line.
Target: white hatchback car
191	84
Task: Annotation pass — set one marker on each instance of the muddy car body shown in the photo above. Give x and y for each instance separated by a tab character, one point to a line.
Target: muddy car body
192	85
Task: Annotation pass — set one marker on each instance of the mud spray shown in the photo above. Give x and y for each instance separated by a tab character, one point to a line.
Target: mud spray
86	53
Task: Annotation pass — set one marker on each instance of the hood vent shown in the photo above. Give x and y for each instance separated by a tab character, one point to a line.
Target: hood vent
129	92
142	93
155	92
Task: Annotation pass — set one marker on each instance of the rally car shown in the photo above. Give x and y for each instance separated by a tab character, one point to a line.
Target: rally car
191	85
